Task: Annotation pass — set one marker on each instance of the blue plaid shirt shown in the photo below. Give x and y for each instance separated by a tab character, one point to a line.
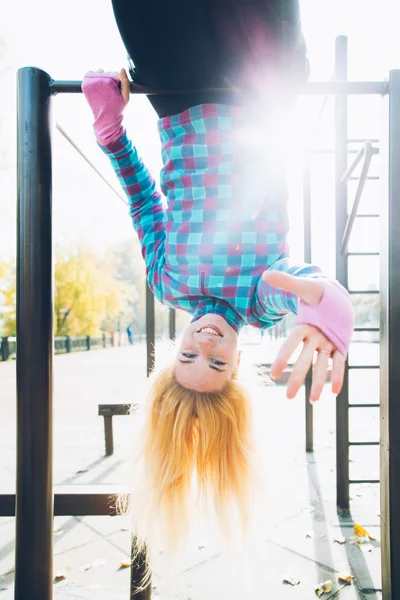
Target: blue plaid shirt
224	221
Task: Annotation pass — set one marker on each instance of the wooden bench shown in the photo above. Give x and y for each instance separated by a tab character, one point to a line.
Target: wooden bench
108	411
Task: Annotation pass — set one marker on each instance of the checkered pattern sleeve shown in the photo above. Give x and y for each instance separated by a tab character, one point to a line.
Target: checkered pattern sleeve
145	206
270	305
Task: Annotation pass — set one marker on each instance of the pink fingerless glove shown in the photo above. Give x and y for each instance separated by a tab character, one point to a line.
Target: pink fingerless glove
333	315
105	99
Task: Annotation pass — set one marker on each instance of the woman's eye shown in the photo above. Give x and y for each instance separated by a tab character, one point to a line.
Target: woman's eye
218	362
187	355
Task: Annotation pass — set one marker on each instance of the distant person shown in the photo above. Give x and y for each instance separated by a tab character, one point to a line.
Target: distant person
129	333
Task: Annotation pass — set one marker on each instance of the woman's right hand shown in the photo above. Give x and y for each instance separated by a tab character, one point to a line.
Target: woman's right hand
107	94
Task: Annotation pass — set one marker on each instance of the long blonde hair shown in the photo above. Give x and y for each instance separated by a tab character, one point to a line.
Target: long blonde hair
193	447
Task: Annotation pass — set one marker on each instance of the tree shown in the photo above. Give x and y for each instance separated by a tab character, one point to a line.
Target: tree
86	293
8	313
130	272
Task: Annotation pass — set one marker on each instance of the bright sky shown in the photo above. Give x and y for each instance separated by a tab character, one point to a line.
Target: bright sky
68	38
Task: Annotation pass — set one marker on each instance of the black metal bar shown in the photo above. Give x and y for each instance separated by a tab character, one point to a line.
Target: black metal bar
368	216
329	150
362	253
362	140
358	367
364	405
368	154
363	291
138	575
150	329
341	149
172	324
389	350
367	329
363	443
312	88
369	178
74	500
5	349
309	415
34	498
358	481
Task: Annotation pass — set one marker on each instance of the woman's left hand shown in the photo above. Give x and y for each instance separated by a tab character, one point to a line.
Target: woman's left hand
314	341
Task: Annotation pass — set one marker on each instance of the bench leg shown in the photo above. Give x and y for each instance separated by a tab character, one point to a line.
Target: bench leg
109	436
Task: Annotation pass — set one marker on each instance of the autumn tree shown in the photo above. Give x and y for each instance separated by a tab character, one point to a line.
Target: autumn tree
86	292
8	299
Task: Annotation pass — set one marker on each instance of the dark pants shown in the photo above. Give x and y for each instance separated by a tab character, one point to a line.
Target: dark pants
200	44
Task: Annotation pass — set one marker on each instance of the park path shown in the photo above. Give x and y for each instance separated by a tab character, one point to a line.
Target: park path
302	521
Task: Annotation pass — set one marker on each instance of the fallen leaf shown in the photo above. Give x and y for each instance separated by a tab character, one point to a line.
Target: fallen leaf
309	534
125	564
59	577
340	539
82	471
84	568
344	577
291	580
361	532
324	588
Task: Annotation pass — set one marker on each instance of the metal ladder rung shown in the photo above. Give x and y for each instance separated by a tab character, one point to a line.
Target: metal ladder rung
363	292
363	254
364	367
364	405
368	216
358	481
364	443
371	329
370	178
363	140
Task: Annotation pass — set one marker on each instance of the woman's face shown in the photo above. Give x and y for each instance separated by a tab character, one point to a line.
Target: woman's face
208	354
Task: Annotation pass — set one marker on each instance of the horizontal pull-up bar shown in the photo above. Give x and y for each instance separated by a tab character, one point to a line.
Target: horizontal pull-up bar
313	88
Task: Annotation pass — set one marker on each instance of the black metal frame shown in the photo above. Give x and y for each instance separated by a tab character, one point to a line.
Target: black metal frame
307	224
341	153
389	365
36	502
34	493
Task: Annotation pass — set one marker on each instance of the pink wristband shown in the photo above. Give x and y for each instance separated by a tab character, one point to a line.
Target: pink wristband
105	99
333	315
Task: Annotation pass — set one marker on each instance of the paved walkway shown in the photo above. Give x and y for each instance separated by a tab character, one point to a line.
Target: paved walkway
301	524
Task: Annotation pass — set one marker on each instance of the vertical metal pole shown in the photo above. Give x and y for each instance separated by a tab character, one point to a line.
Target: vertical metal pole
5	349
172	324
34	494
341	148
138	574
389	354
150	329
307	257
